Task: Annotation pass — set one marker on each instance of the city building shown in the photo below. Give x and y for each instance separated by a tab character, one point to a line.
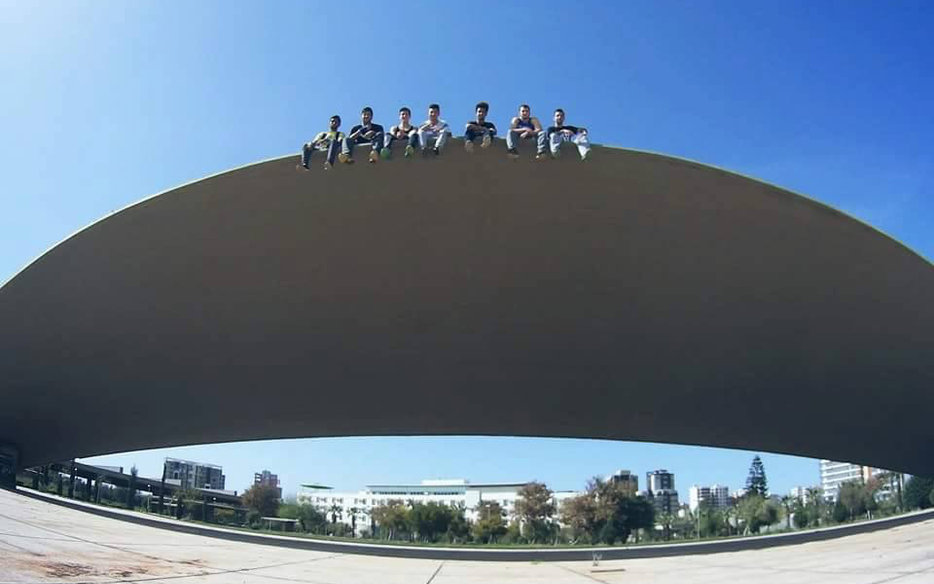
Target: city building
833	474
454	492
661	490
626	478
715	496
187	473
267	478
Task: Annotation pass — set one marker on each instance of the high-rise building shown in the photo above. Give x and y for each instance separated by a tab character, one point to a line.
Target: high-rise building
267	478
625	478
716	496
833	474
197	475
661	489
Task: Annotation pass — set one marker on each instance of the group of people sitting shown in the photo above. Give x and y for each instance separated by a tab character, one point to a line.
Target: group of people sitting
431	136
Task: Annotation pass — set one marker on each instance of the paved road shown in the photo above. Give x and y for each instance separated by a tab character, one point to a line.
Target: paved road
41	543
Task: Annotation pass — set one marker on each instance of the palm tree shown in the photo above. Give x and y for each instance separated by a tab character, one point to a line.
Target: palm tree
336	511
787	502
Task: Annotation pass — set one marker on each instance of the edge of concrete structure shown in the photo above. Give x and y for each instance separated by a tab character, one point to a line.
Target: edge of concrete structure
502	555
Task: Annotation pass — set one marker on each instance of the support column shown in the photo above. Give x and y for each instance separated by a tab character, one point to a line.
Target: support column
71	484
162	492
97	490
9	462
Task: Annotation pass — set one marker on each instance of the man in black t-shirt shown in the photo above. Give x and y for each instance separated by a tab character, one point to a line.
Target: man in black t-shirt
364	133
480	128
560	133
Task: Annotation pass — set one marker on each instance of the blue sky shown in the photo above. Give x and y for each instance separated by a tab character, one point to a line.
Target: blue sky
105	103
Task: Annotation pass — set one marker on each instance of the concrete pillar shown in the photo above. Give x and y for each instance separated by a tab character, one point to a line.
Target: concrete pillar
9	462
71	483
97	490
59	474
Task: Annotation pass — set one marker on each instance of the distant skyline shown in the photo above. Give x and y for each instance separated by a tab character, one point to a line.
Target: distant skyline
108	102
349	464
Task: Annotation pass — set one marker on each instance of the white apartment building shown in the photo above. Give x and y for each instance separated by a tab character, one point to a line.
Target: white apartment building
459	492
833	474
717	496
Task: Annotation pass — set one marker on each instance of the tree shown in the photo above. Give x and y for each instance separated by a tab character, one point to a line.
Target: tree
336	512
756	511
800	514
490	524
535	508
853	495
756	482
392	518
131	490
815	505
608	512
788	503
429	521
918	493
310	520
264	499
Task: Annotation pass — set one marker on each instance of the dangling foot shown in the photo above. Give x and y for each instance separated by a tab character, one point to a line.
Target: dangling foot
374	156
468	145
512	153
487	140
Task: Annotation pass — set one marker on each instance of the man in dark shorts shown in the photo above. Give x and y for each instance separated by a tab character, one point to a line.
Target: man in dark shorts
328	141
365	133
479	128
525	127
560	133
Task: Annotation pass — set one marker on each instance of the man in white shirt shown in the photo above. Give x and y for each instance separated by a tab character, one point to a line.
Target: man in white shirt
434	132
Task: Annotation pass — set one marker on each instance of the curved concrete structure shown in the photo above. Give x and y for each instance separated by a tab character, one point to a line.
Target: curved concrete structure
634	297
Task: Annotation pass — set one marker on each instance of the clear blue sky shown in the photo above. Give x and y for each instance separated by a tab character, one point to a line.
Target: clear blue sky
104	103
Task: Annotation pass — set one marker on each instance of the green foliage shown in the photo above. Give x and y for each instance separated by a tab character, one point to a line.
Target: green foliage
607	513
756	482
839	513
918	493
263	499
534	509
801	515
430	521
855	497
225	516
392	518
755	511
310	520
490	524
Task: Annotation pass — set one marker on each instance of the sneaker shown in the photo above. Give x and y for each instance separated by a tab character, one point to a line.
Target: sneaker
409	151
512	153
385	153
345	158
374	156
541	156
585	156
436	151
327	166
302	167
487	140
468	145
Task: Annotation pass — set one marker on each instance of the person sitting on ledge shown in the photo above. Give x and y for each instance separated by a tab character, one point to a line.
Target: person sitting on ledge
365	133
328	141
434	132
525	126
480	128
404	130
560	133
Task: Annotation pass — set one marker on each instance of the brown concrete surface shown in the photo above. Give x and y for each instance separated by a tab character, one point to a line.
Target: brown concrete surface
633	297
41	543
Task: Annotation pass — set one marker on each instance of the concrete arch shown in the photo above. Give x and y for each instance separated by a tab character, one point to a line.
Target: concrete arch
635	296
